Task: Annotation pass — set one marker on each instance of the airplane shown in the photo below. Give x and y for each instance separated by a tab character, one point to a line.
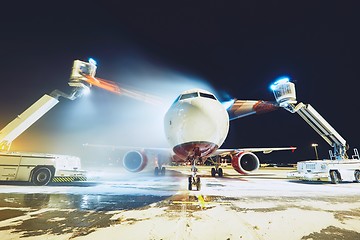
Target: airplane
195	126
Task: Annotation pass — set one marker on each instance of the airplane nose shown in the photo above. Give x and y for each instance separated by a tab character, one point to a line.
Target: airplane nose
191	122
199	122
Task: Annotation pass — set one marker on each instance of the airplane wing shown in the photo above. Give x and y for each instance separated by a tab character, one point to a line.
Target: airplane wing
137	159
223	152
243	108
220	151
144	149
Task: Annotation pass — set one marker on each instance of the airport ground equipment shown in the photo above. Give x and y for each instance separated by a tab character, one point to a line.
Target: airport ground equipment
327	170
83	75
40	168
22	122
36	167
339	167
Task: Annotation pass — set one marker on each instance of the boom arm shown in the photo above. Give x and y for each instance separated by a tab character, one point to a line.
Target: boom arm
25	120
284	92
83	73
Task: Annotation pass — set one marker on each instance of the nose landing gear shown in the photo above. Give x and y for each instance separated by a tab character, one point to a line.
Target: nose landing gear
194	180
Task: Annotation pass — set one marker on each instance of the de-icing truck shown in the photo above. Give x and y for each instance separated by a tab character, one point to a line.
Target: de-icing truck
339	167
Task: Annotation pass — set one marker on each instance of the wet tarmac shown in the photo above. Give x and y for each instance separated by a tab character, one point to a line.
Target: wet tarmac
99	194
78	202
264	205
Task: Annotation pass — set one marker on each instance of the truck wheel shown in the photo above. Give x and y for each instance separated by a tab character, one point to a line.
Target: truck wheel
357	176
41	176
334	177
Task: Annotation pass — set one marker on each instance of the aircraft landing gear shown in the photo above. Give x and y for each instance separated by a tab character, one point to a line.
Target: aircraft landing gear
194	181
218	171
159	171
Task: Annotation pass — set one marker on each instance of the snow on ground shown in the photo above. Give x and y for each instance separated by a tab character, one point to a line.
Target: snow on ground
262	206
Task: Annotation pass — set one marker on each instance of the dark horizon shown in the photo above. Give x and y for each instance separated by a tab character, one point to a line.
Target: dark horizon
237	50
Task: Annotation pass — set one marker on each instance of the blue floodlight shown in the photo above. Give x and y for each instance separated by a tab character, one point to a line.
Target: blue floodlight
279	80
92	61
228	104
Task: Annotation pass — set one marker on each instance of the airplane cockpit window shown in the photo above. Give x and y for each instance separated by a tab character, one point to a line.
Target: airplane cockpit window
188	95
177	99
207	95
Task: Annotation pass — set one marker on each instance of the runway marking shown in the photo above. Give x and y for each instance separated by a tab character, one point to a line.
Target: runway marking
201	202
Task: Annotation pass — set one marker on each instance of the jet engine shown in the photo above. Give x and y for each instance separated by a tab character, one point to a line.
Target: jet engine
135	161
245	162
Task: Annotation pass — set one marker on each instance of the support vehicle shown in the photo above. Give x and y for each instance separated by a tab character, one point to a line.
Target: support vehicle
339	167
42	168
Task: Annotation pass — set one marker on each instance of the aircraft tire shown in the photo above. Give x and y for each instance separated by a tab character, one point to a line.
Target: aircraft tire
190	184
162	172
198	184
156	171
213	172
220	172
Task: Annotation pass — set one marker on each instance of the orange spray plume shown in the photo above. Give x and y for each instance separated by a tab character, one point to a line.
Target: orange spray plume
115	88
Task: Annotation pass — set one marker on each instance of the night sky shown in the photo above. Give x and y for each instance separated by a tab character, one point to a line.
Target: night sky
238	48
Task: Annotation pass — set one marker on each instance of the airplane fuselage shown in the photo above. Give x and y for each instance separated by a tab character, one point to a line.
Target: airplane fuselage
196	124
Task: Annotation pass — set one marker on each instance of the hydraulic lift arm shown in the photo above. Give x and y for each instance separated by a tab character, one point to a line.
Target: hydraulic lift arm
84	73
285	95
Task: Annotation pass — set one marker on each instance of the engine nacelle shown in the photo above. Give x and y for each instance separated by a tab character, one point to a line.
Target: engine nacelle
245	162
135	161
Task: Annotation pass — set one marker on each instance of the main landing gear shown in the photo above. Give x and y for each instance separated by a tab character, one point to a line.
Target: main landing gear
159	171
217	170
